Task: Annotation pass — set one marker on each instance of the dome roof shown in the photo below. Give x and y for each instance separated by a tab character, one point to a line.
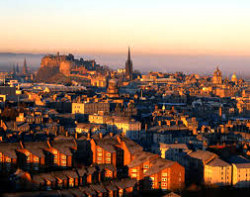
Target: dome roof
234	77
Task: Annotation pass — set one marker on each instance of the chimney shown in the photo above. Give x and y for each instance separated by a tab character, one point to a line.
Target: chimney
168	122
100	135
220	111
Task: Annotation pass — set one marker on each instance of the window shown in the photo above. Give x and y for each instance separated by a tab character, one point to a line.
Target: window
108	160
165	174
63	162
134	170
71	182
55	159
36	159
99	150
134	175
108	154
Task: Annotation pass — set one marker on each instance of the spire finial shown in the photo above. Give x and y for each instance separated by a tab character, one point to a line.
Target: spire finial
128	52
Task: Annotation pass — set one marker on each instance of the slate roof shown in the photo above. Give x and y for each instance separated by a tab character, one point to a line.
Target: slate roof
110	143
70	174
125	183
110	167
64	146
242	165
218	162
36	148
140	158
203	155
158	165
9	149
81	171
88	190
99	188
174	146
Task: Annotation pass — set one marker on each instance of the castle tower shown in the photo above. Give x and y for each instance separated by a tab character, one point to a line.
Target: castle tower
217	77
129	67
25	69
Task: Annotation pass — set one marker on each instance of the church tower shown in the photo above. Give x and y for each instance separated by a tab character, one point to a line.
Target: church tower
129	67
217	77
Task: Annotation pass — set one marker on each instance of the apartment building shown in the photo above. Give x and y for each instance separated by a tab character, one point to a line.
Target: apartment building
217	172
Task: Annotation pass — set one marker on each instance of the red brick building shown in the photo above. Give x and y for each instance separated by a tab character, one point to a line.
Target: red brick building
117	150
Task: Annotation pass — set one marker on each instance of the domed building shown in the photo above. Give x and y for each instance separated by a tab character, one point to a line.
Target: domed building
217	76
234	78
112	90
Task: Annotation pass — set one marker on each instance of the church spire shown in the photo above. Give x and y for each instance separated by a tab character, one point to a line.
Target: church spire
129	66
25	70
128	53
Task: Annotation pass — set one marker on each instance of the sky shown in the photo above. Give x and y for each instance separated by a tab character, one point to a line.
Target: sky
149	27
217	27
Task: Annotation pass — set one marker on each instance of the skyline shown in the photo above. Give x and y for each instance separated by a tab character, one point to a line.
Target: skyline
149	27
203	65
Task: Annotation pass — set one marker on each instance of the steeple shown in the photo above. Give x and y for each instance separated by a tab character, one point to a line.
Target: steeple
25	70
128	53
129	66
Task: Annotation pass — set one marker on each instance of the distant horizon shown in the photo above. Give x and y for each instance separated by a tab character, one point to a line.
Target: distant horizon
189	64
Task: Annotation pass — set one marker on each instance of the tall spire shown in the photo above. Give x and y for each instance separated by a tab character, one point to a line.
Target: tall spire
25	70
128	53
129	66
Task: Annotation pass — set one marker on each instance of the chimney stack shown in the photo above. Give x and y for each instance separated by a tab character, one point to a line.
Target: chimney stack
100	135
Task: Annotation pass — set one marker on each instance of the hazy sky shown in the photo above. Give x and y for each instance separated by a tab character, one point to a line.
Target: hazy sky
214	27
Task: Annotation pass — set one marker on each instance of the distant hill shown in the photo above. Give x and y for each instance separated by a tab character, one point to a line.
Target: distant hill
57	68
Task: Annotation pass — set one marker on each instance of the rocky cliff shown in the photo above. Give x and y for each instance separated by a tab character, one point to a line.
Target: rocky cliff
53	66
